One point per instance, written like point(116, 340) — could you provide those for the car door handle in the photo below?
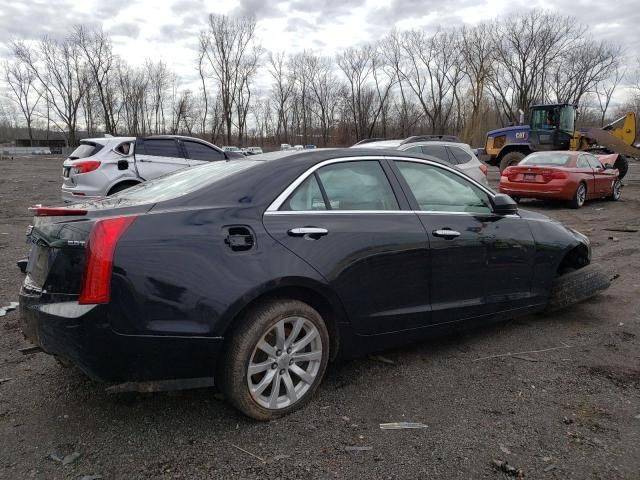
point(446, 233)
point(308, 232)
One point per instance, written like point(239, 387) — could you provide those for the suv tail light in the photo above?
point(96, 280)
point(85, 166)
point(484, 169)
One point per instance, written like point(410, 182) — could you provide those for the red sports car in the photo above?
point(571, 176)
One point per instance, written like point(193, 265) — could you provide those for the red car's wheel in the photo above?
point(579, 197)
point(616, 191)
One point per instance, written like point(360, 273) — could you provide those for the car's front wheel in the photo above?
point(616, 191)
point(275, 359)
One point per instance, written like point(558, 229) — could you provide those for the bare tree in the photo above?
point(229, 41)
point(604, 92)
point(282, 88)
point(478, 49)
point(21, 81)
point(96, 48)
point(60, 70)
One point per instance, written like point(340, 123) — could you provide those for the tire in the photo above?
point(579, 197)
point(616, 191)
point(577, 286)
point(510, 159)
point(257, 326)
point(120, 187)
point(622, 165)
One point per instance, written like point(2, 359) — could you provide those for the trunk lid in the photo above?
point(534, 174)
point(57, 256)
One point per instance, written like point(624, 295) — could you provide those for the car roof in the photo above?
point(389, 144)
point(105, 140)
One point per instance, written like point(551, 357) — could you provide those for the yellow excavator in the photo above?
point(552, 127)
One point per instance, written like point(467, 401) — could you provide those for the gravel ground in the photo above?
point(565, 413)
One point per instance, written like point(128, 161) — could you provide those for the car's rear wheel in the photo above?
point(616, 191)
point(579, 197)
point(275, 359)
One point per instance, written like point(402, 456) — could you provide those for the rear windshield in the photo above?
point(85, 149)
point(183, 182)
point(554, 159)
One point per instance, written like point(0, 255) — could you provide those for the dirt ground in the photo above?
point(565, 413)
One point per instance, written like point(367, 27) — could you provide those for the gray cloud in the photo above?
point(127, 29)
point(30, 20)
point(261, 9)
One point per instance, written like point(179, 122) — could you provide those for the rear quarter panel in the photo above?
point(175, 275)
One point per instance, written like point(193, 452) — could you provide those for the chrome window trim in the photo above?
point(273, 208)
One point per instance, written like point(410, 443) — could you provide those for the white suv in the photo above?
point(104, 166)
point(445, 148)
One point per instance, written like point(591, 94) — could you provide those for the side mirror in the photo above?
point(123, 164)
point(608, 166)
point(504, 205)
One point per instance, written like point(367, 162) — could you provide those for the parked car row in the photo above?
point(254, 273)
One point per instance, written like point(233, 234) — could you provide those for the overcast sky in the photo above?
point(168, 29)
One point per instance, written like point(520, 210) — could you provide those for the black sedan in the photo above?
point(257, 272)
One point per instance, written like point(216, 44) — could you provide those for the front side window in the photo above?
point(358, 185)
point(583, 162)
point(593, 161)
point(200, 151)
point(438, 190)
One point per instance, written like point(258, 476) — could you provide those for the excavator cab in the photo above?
point(552, 126)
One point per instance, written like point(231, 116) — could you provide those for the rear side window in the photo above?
point(437, 151)
point(84, 150)
point(162, 147)
point(458, 155)
point(200, 151)
point(360, 185)
point(307, 196)
point(357, 186)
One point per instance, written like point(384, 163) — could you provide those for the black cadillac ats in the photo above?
point(257, 272)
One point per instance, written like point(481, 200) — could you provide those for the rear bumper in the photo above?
point(82, 334)
point(551, 190)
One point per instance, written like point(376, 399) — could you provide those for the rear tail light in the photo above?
point(56, 211)
point(548, 175)
point(507, 172)
point(484, 169)
point(85, 166)
point(101, 245)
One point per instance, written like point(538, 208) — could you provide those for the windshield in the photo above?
point(555, 159)
point(183, 182)
point(85, 149)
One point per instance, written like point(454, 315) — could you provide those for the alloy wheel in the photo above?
point(285, 363)
point(617, 189)
point(581, 194)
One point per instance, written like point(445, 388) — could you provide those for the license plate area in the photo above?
point(529, 177)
